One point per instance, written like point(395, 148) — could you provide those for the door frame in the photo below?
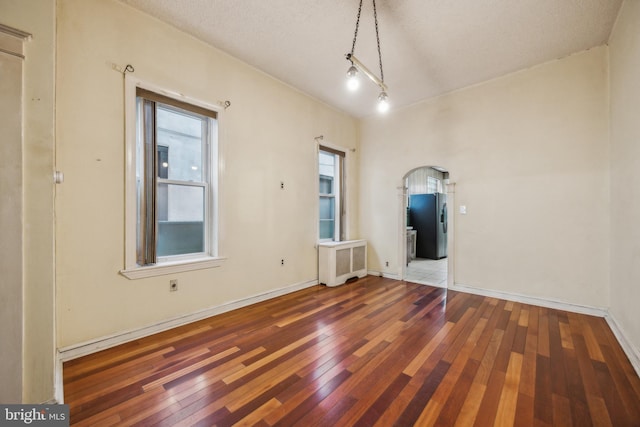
point(12, 215)
point(402, 228)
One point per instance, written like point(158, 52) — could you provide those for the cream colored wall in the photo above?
point(529, 155)
point(624, 57)
point(38, 18)
point(267, 136)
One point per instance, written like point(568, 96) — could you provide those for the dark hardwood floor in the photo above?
point(374, 352)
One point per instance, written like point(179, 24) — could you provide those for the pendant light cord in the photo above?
point(375, 18)
point(355, 34)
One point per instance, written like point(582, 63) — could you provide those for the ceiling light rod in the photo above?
point(360, 66)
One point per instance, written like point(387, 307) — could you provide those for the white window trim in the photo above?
point(168, 265)
point(347, 208)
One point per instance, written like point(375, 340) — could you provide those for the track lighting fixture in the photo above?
point(357, 66)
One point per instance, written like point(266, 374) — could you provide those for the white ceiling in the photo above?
point(429, 47)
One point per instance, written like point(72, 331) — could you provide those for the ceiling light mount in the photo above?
point(356, 65)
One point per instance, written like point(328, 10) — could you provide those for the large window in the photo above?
point(332, 206)
point(174, 161)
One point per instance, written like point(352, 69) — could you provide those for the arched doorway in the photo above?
point(426, 235)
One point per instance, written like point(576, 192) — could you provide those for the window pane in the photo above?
point(181, 219)
point(180, 155)
point(327, 217)
point(327, 207)
point(326, 184)
point(326, 163)
point(433, 185)
point(326, 229)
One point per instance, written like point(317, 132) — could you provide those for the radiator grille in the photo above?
point(358, 258)
point(343, 261)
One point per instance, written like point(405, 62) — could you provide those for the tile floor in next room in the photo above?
point(429, 271)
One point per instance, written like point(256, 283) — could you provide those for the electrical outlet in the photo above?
point(386, 264)
point(173, 285)
point(282, 262)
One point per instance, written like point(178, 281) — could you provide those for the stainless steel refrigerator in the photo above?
point(428, 216)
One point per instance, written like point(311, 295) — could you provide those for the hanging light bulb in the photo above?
point(352, 78)
point(383, 102)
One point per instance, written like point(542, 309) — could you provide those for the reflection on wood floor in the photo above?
point(373, 352)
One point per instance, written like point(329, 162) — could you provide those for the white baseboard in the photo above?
point(629, 349)
point(424, 282)
point(383, 274)
point(93, 346)
point(525, 299)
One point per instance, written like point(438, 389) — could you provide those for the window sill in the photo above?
point(172, 267)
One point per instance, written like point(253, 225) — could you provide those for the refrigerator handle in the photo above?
point(443, 217)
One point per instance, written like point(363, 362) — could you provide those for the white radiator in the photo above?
point(340, 261)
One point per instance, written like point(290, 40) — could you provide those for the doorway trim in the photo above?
point(402, 229)
point(12, 214)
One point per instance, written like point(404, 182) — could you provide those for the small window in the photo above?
point(331, 192)
point(434, 185)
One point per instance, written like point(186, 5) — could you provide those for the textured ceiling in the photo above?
point(429, 47)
